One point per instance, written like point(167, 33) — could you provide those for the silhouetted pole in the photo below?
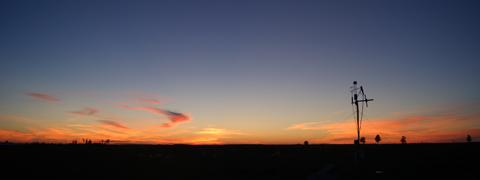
point(355, 101)
point(355, 97)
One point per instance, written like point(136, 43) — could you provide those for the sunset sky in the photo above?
point(238, 72)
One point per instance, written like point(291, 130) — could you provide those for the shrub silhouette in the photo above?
point(305, 143)
point(88, 141)
point(404, 140)
point(469, 138)
point(377, 138)
point(362, 140)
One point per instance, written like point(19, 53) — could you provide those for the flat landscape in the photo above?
point(383, 161)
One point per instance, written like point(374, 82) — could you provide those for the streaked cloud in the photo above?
point(4, 118)
point(149, 100)
point(178, 117)
point(87, 111)
point(173, 117)
point(308, 126)
point(78, 125)
point(217, 131)
point(15, 136)
point(152, 110)
point(112, 123)
point(43, 96)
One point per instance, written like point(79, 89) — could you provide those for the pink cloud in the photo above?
point(112, 123)
point(90, 112)
point(166, 125)
point(308, 126)
point(152, 110)
point(149, 100)
point(178, 117)
point(86, 111)
point(174, 117)
point(44, 96)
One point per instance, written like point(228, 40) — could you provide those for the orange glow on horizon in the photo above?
point(96, 122)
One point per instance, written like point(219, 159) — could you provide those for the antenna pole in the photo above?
point(355, 101)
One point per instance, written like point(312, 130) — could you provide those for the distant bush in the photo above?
point(377, 138)
point(362, 140)
point(404, 140)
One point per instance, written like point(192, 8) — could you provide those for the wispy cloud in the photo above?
point(173, 117)
point(152, 110)
point(308, 126)
point(15, 136)
point(43, 96)
point(217, 131)
point(87, 111)
point(149, 100)
point(112, 123)
point(4, 118)
point(177, 117)
point(79, 125)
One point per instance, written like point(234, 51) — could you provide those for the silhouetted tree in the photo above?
point(107, 141)
point(7, 141)
point(469, 138)
point(305, 143)
point(377, 138)
point(362, 140)
point(89, 141)
point(404, 140)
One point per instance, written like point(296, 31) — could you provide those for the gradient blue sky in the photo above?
point(241, 71)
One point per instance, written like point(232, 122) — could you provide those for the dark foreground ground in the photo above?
point(410, 161)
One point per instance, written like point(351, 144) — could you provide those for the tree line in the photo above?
point(403, 140)
point(89, 141)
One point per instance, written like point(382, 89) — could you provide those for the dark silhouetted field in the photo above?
point(409, 161)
